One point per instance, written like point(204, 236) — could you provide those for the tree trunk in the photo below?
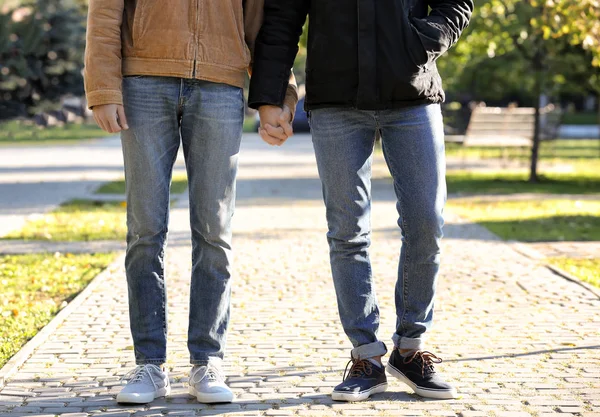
point(535, 146)
point(598, 103)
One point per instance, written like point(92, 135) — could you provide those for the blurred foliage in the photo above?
point(523, 50)
point(511, 45)
point(41, 55)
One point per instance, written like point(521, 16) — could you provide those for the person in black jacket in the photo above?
point(371, 69)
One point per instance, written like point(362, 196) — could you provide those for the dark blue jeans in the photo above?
point(207, 119)
point(413, 146)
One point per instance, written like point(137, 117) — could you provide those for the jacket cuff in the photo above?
point(268, 85)
point(101, 97)
point(291, 99)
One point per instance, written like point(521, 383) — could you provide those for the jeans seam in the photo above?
point(406, 252)
point(164, 245)
point(180, 101)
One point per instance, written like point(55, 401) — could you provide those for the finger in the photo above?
point(100, 121)
point(269, 139)
point(287, 128)
point(122, 118)
point(113, 123)
point(96, 120)
point(285, 119)
point(276, 132)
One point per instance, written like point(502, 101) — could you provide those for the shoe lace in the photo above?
point(138, 374)
point(426, 359)
point(359, 368)
point(208, 372)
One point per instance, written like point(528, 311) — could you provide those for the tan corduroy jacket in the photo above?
point(210, 40)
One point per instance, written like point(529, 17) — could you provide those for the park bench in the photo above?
point(509, 127)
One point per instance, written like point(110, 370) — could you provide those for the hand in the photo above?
point(275, 124)
point(110, 117)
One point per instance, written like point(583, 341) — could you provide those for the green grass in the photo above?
point(563, 150)
point(178, 186)
point(583, 118)
point(249, 124)
point(20, 133)
point(35, 287)
point(583, 180)
point(585, 269)
point(76, 221)
point(534, 221)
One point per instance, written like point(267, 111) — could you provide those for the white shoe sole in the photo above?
point(221, 397)
point(423, 392)
point(358, 396)
point(136, 398)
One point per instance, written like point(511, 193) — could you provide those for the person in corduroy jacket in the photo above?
point(371, 69)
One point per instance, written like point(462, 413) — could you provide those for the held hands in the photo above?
point(275, 124)
point(110, 117)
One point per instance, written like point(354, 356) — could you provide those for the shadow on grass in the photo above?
point(582, 228)
point(464, 183)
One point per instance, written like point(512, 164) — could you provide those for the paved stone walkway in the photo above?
point(34, 180)
point(587, 250)
point(516, 339)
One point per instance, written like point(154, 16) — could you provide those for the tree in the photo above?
point(528, 41)
point(41, 56)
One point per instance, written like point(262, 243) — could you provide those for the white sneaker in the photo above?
point(146, 382)
point(208, 385)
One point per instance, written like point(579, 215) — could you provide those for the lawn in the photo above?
point(534, 221)
point(250, 124)
point(77, 220)
point(35, 288)
point(20, 133)
point(178, 186)
point(582, 118)
point(585, 179)
point(564, 150)
point(586, 269)
point(571, 168)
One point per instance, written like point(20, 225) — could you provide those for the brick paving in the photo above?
point(516, 339)
point(587, 250)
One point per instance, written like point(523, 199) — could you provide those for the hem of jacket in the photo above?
point(375, 106)
point(219, 73)
point(154, 67)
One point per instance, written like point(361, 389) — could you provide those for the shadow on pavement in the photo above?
point(516, 355)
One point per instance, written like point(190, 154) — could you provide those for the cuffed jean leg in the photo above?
point(343, 140)
point(413, 146)
point(150, 148)
point(211, 131)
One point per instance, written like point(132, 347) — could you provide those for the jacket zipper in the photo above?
point(196, 38)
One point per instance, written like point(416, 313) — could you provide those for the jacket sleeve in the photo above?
point(102, 73)
point(275, 49)
point(444, 24)
point(253, 19)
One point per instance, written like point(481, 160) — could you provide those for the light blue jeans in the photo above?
point(207, 119)
point(413, 146)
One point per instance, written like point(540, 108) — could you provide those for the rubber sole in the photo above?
point(358, 396)
point(221, 397)
point(423, 392)
point(136, 398)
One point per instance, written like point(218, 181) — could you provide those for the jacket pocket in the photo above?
point(412, 43)
point(137, 26)
point(428, 39)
